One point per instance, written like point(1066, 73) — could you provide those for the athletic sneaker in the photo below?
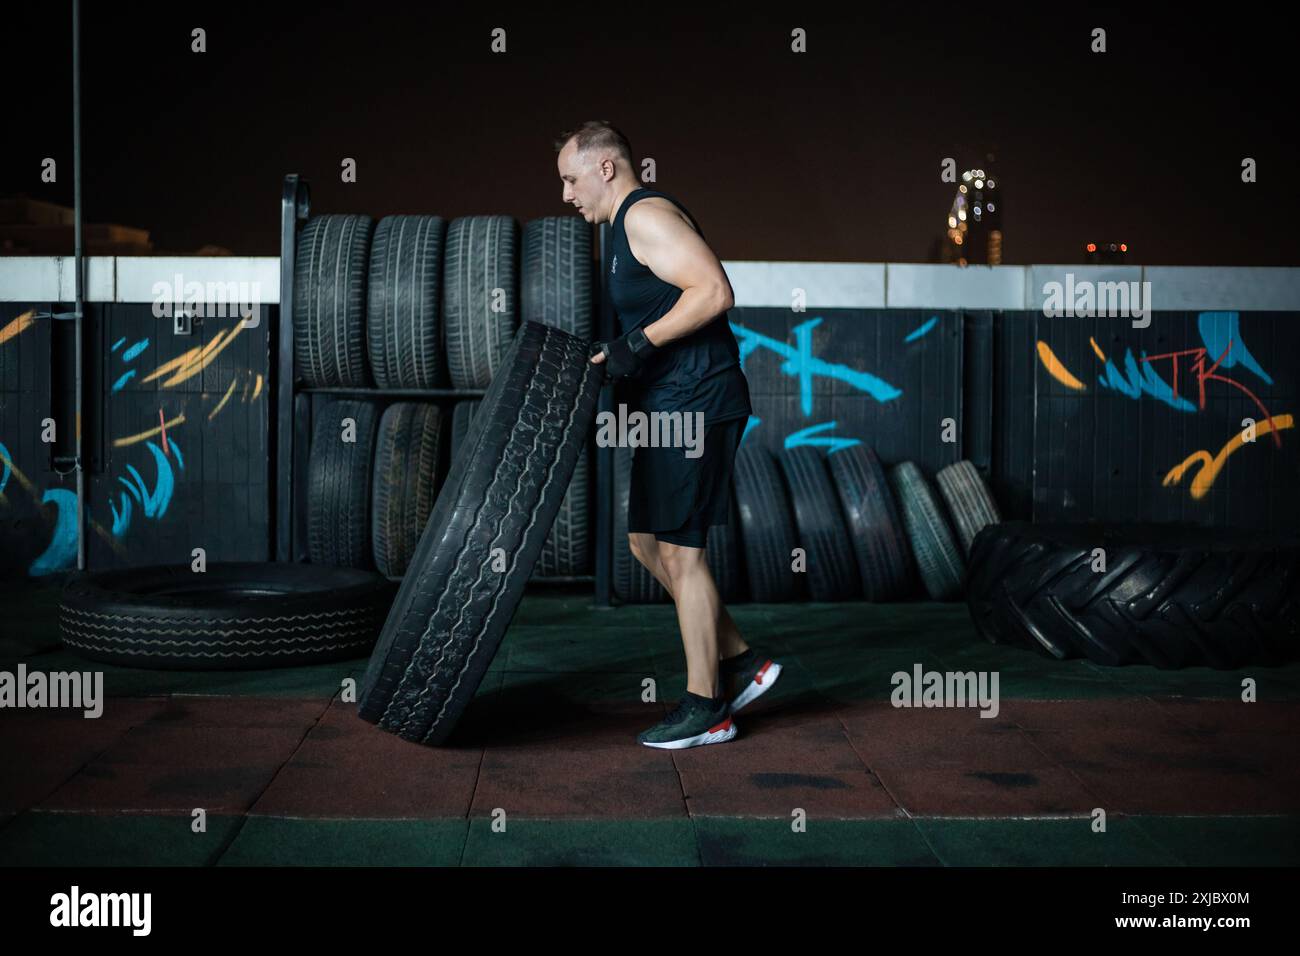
point(694, 721)
point(750, 675)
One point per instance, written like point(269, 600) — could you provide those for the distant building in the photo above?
point(34, 227)
point(973, 232)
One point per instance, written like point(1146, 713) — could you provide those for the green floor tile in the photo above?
point(1043, 842)
point(1227, 841)
point(534, 842)
point(76, 839)
point(732, 841)
point(279, 841)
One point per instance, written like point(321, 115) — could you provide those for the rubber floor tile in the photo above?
point(821, 794)
point(41, 750)
point(533, 842)
point(1069, 842)
point(976, 793)
point(878, 730)
point(589, 743)
point(163, 768)
point(781, 741)
point(1146, 790)
point(727, 841)
point(273, 841)
point(238, 712)
point(1096, 716)
point(1227, 841)
point(73, 839)
point(558, 792)
point(1175, 750)
point(1261, 717)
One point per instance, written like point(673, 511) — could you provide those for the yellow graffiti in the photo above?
point(1097, 348)
point(195, 360)
point(18, 326)
point(133, 439)
point(1210, 467)
point(1056, 369)
point(224, 398)
point(257, 389)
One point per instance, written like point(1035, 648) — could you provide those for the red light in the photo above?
point(1092, 247)
point(1123, 247)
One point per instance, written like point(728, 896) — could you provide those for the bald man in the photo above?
point(676, 354)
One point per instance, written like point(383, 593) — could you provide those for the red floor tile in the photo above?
point(785, 741)
point(954, 792)
point(777, 794)
point(561, 793)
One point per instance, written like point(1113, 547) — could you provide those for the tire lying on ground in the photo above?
point(832, 569)
point(483, 537)
point(480, 308)
point(937, 555)
point(632, 582)
point(329, 301)
point(339, 467)
point(873, 522)
point(404, 288)
point(969, 501)
point(234, 615)
point(1169, 596)
point(407, 459)
point(767, 531)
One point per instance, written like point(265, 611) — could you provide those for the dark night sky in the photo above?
point(830, 155)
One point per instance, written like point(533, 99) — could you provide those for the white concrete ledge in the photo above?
point(826, 285)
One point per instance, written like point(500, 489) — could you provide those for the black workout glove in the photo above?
point(626, 356)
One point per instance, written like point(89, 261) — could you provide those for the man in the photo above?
point(676, 353)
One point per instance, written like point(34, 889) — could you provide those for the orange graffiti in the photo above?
point(1056, 369)
point(18, 326)
point(1211, 466)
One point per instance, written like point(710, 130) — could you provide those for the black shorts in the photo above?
point(677, 498)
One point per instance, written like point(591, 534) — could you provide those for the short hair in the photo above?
point(597, 134)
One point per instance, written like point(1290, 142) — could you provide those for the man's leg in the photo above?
point(645, 549)
point(698, 607)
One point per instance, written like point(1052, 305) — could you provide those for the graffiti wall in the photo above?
point(176, 447)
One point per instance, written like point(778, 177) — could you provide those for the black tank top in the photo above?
point(698, 372)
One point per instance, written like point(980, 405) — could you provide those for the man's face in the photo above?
point(584, 188)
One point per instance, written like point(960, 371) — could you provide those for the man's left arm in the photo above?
point(674, 252)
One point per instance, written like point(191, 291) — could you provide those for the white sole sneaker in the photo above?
point(717, 734)
point(759, 686)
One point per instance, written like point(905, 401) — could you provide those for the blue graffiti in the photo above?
point(113, 347)
point(917, 333)
point(831, 442)
point(749, 425)
point(135, 350)
point(1218, 331)
point(154, 503)
point(800, 362)
point(1141, 380)
point(62, 550)
point(123, 380)
point(122, 519)
point(4, 460)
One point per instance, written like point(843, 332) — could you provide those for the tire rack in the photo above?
point(291, 422)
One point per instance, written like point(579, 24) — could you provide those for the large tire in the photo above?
point(556, 285)
point(461, 417)
point(407, 458)
point(724, 558)
point(566, 549)
point(329, 301)
point(480, 269)
point(937, 554)
point(234, 615)
point(969, 501)
point(339, 485)
point(632, 582)
point(832, 570)
point(1168, 596)
point(403, 330)
point(767, 531)
point(503, 492)
point(873, 521)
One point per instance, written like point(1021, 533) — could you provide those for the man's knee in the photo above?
point(678, 560)
point(640, 543)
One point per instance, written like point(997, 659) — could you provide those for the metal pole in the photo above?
point(77, 259)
